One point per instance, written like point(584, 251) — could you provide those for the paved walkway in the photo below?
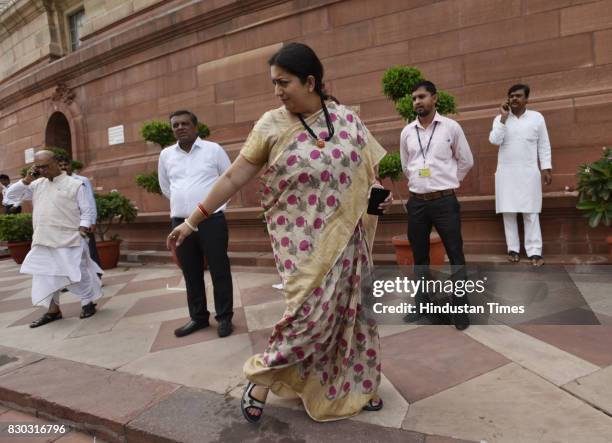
point(123, 374)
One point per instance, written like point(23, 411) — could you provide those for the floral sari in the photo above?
point(323, 350)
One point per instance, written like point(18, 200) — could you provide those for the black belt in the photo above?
point(433, 195)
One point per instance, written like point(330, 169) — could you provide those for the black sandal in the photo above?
point(46, 318)
point(249, 402)
point(536, 261)
point(514, 257)
point(88, 310)
point(374, 406)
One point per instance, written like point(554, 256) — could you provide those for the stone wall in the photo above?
point(24, 36)
point(210, 57)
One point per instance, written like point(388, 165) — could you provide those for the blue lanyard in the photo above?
point(424, 154)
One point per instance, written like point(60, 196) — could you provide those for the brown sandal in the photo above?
point(536, 261)
point(514, 257)
point(46, 318)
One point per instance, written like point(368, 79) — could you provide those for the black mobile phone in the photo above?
point(36, 173)
point(377, 196)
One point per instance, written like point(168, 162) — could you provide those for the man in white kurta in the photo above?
point(523, 142)
point(59, 257)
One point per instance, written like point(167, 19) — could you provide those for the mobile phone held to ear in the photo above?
point(377, 196)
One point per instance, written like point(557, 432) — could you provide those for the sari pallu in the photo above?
point(323, 349)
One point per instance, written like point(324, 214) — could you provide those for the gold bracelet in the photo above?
point(190, 226)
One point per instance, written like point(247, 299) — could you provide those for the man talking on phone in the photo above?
point(523, 140)
point(59, 257)
point(435, 158)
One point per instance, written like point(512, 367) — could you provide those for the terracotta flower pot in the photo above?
point(109, 253)
point(19, 250)
point(403, 250)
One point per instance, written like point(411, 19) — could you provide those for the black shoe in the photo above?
point(88, 310)
point(190, 327)
point(461, 321)
point(224, 328)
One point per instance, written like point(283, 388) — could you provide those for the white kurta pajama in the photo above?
point(522, 142)
point(59, 257)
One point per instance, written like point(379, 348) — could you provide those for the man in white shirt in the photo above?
point(187, 171)
point(66, 165)
point(10, 206)
point(59, 257)
point(523, 140)
point(435, 157)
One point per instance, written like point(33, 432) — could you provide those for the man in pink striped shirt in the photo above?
point(435, 158)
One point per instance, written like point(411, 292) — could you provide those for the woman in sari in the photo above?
point(319, 165)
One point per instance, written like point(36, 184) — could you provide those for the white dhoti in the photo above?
point(54, 269)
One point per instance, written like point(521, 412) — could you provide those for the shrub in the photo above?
point(16, 227)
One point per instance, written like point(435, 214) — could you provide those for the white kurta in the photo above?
point(522, 142)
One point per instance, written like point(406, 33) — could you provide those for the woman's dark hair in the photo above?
point(300, 60)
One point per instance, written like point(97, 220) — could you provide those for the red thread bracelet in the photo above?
point(203, 211)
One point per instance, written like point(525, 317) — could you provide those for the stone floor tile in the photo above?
point(148, 305)
point(188, 414)
point(596, 389)
point(213, 364)
point(166, 339)
point(509, 404)
point(261, 294)
point(386, 330)
point(555, 365)
point(150, 284)
point(67, 384)
point(430, 359)
point(591, 343)
point(259, 339)
point(109, 350)
point(394, 408)
point(440, 439)
point(264, 316)
point(12, 359)
point(107, 316)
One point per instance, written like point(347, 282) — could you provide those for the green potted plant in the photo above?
point(397, 83)
point(113, 209)
point(594, 188)
point(16, 230)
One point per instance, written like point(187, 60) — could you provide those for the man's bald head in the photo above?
point(44, 155)
point(46, 164)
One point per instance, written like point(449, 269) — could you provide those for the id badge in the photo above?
point(425, 172)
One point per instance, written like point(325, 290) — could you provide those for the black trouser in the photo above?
point(93, 250)
point(11, 209)
point(443, 214)
point(209, 241)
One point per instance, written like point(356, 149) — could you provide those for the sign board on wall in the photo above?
point(29, 155)
point(115, 135)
